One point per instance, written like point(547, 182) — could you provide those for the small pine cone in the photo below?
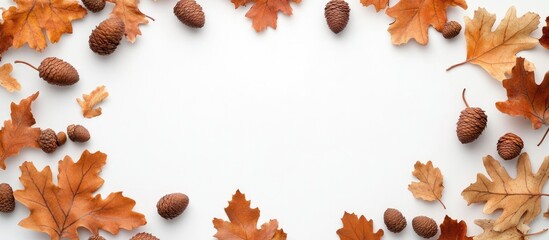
point(471, 123)
point(94, 5)
point(509, 146)
point(106, 37)
point(190, 13)
point(172, 205)
point(394, 220)
point(425, 227)
point(57, 72)
point(96, 237)
point(48, 141)
point(144, 236)
point(451, 29)
point(78, 133)
point(7, 201)
point(337, 15)
point(61, 138)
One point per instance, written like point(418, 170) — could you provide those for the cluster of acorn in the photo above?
point(424, 227)
point(49, 140)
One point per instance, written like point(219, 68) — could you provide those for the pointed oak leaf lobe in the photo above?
point(264, 13)
point(355, 228)
point(451, 229)
point(429, 187)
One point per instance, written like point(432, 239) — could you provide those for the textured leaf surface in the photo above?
point(429, 187)
point(514, 233)
point(6, 80)
point(378, 4)
point(264, 13)
point(355, 228)
point(451, 229)
point(88, 102)
point(128, 11)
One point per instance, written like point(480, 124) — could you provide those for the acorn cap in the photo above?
point(336, 13)
point(78, 133)
point(190, 13)
point(172, 205)
point(94, 5)
point(7, 201)
point(96, 237)
point(509, 146)
point(425, 227)
point(394, 220)
point(451, 29)
point(57, 72)
point(48, 140)
point(144, 236)
point(106, 37)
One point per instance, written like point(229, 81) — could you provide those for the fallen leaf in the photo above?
point(413, 18)
point(514, 233)
point(128, 11)
point(60, 210)
point(429, 187)
point(544, 40)
point(17, 133)
point(519, 198)
point(495, 51)
point(6, 80)
point(243, 223)
point(264, 13)
point(88, 102)
point(355, 228)
point(378, 4)
point(451, 229)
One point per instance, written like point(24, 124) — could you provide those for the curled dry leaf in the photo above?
point(355, 228)
point(264, 13)
point(514, 233)
point(413, 18)
point(518, 198)
point(6, 80)
point(495, 51)
point(429, 187)
point(243, 222)
point(378, 4)
point(451, 229)
point(88, 102)
point(544, 40)
point(128, 11)
point(18, 132)
point(60, 210)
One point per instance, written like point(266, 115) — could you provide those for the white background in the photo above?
point(306, 123)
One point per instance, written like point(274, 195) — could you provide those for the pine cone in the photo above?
point(172, 205)
point(57, 72)
point(48, 141)
point(190, 13)
point(425, 227)
point(337, 15)
point(471, 123)
point(106, 37)
point(451, 29)
point(509, 146)
point(94, 5)
point(96, 237)
point(144, 236)
point(7, 201)
point(394, 220)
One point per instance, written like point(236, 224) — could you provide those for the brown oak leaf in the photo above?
point(378, 4)
point(128, 11)
point(518, 232)
point(60, 210)
point(413, 18)
point(6, 80)
point(264, 13)
point(451, 229)
point(355, 228)
point(495, 51)
point(544, 40)
point(518, 198)
point(243, 223)
point(429, 187)
point(88, 102)
point(18, 132)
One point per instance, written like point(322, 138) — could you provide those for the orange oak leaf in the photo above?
point(544, 40)
point(413, 18)
point(264, 13)
point(429, 187)
point(451, 229)
point(88, 102)
point(355, 228)
point(17, 133)
point(243, 223)
point(27, 22)
point(60, 210)
point(128, 11)
point(6, 80)
point(378, 4)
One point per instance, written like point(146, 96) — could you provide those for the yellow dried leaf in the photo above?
point(88, 102)
point(515, 233)
point(6, 80)
point(429, 187)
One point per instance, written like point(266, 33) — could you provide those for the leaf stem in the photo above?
point(440, 201)
point(536, 233)
point(544, 135)
point(26, 63)
point(463, 97)
point(456, 65)
point(149, 17)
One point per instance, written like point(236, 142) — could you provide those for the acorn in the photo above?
point(106, 37)
point(451, 29)
point(172, 205)
point(7, 201)
point(78, 133)
point(61, 138)
point(509, 146)
point(48, 140)
point(471, 123)
point(336, 13)
point(55, 71)
point(144, 236)
point(96, 237)
point(94, 5)
point(425, 227)
point(190, 13)
point(394, 220)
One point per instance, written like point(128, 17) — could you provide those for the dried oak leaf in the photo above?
point(429, 187)
point(128, 11)
point(88, 102)
point(514, 233)
point(519, 198)
point(451, 229)
point(413, 18)
point(355, 228)
point(544, 40)
point(243, 223)
point(60, 210)
point(264, 13)
point(495, 51)
point(18, 132)
point(378, 4)
point(6, 80)
point(27, 22)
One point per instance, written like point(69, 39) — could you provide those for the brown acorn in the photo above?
point(190, 13)
point(94, 5)
point(96, 237)
point(7, 201)
point(451, 29)
point(425, 227)
point(172, 205)
point(509, 146)
point(471, 123)
point(106, 37)
point(144, 236)
point(48, 140)
point(394, 220)
point(336, 13)
point(61, 138)
point(78, 133)
point(55, 71)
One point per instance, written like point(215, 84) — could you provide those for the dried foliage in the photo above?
point(264, 13)
point(88, 102)
point(429, 187)
point(355, 228)
point(6, 80)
